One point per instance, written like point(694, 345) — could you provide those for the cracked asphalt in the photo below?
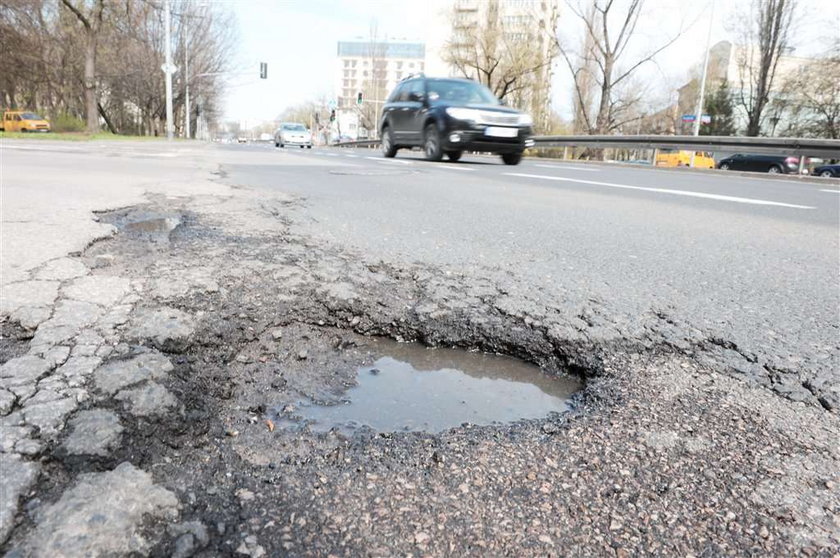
point(153, 352)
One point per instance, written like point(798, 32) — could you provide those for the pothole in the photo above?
point(414, 388)
point(144, 224)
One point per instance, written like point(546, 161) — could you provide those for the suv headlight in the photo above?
point(525, 120)
point(460, 113)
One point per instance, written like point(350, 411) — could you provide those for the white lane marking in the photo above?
point(832, 191)
point(353, 156)
point(454, 167)
point(381, 160)
point(564, 167)
point(331, 154)
point(689, 194)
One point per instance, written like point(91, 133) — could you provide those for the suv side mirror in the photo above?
point(503, 102)
point(417, 97)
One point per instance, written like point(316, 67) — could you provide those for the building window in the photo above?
point(346, 63)
point(399, 65)
point(411, 65)
point(354, 64)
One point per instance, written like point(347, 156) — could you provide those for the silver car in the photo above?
point(292, 133)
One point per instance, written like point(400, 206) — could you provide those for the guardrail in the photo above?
point(729, 144)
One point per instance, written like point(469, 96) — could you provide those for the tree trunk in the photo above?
point(104, 114)
point(91, 109)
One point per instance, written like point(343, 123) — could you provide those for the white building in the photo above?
point(369, 66)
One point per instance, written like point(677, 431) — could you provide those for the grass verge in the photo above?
point(75, 136)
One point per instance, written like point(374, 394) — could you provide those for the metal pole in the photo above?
point(170, 129)
point(187, 92)
point(698, 114)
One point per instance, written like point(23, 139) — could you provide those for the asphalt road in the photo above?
point(748, 260)
point(148, 372)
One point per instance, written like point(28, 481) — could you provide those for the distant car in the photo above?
point(242, 139)
point(827, 171)
point(677, 158)
point(23, 121)
point(292, 133)
point(774, 164)
point(447, 116)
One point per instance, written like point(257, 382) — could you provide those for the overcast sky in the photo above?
point(298, 41)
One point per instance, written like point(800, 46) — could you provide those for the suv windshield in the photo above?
point(457, 91)
point(294, 127)
point(30, 116)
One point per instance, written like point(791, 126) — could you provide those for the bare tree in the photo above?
point(605, 60)
point(374, 80)
point(810, 99)
point(508, 56)
point(90, 15)
point(764, 39)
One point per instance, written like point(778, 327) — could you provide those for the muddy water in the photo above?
point(144, 224)
point(411, 387)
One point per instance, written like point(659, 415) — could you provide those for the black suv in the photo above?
point(760, 163)
point(449, 115)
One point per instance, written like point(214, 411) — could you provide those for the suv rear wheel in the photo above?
point(388, 147)
point(775, 169)
point(454, 155)
point(511, 158)
point(431, 143)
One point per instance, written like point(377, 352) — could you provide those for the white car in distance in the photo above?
point(292, 133)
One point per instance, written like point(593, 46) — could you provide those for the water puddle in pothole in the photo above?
point(143, 224)
point(414, 388)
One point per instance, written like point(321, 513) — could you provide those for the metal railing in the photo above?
point(721, 144)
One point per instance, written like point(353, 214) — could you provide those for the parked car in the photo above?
point(292, 133)
point(774, 164)
point(449, 116)
point(23, 121)
point(827, 171)
point(677, 158)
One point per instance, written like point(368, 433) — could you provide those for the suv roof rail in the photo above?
point(413, 75)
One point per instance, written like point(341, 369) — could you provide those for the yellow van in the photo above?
point(675, 158)
point(23, 121)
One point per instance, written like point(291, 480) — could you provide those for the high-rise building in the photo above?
point(370, 66)
point(367, 70)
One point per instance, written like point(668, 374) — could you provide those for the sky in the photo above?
point(297, 39)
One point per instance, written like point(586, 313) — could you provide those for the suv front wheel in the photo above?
point(388, 148)
point(431, 143)
point(512, 158)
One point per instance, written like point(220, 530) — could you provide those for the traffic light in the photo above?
point(359, 98)
point(332, 115)
point(263, 70)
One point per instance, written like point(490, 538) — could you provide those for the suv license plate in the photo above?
point(501, 132)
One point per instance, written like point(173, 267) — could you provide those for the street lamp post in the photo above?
point(698, 114)
point(186, 91)
point(170, 130)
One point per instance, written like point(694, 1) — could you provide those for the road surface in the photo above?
point(168, 310)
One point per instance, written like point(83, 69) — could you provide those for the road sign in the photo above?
point(263, 70)
point(332, 104)
point(171, 69)
point(705, 119)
